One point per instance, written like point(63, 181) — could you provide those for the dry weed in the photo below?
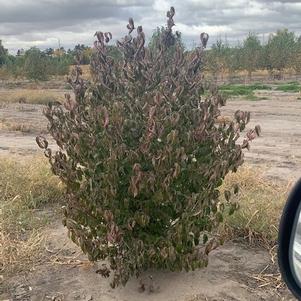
point(261, 203)
point(12, 126)
point(25, 186)
point(33, 96)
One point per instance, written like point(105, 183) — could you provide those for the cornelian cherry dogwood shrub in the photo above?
point(142, 156)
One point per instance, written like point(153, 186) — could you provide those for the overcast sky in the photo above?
point(26, 23)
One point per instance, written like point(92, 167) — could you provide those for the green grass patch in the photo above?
point(231, 90)
point(289, 87)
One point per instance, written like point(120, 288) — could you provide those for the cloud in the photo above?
point(25, 23)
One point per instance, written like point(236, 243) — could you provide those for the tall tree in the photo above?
point(49, 51)
point(279, 50)
point(159, 34)
point(36, 65)
point(218, 58)
point(296, 60)
point(84, 52)
point(251, 54)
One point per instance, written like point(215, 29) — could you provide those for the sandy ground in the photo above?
point(232, 268)
point(278, 150)
point(230, 275)
point(17, 142)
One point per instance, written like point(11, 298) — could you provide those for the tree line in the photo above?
point(39, 64)
point(281, 52)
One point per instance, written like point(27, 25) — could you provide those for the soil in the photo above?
point(278, 149)
point(234, 270)
point(67, 275)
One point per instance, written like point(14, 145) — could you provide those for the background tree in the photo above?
point(36, 65)
point(83, 52)
point(49, 51)
point(114, 52)
point(59, 52)
point(296, 57)
point(218, 58)
point(3, 54)
point(157, 37)
point(251, 54)
point(58, 65)
point(279, 50)
point(233, 60)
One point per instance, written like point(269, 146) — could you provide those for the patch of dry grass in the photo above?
point(17, 254)
point(261, 204)
point(25, 186)
point(257, 220)
point(4, 74)
point(33, 96)
point(224, 119)
point(12, 126)
point(86, 71)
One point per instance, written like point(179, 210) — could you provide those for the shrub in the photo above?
point(36, 65)
point(15, 66)
point(280, 51)
point(58, 66)
point(251, 54)
point(142, 156)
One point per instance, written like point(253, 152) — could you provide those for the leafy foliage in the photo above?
point(15, 65)
point(280, 49)
point(218, 59)
point(158, 34)
point(35, 64)
point(3, 54)
point(142, 155)
point(283, 51)
point(251, 53)
point(296, 57)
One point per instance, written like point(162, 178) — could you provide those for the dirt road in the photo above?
point(278, 150)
